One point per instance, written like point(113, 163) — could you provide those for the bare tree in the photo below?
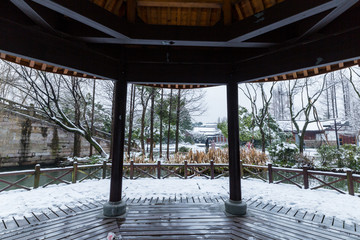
point(145, 96)
point(169, 126)
point(307, 106)
point(280, 102)
point(161, 121)
point(178, 106)
point(152, 124)
point(260, 115)
point(61, 99)
point(9, 84)
point(131, 116)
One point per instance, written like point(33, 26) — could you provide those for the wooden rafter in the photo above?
point(227, 12)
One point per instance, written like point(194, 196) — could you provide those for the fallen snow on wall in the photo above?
point(18, 203)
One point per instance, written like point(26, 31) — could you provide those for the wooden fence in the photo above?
point(302, 178)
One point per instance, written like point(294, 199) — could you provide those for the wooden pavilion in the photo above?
point(181, 44)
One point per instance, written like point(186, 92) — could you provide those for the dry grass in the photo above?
point(248, 156)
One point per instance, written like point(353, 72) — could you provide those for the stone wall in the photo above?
point(25, 140)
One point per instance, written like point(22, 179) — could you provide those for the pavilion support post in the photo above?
point(115, 207)
point(234, 205)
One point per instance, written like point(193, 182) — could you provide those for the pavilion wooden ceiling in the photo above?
point(181, 43)
point(186, 12)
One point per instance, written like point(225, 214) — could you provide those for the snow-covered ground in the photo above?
point(17, 203)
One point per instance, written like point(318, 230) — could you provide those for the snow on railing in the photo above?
point(302, 178)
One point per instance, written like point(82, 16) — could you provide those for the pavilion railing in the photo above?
point(302, 178)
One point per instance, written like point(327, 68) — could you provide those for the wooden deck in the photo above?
point(178, 218)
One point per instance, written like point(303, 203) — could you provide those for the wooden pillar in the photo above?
point(233, 138)
point(118, 135)
point(115, 207)
point(234, 205)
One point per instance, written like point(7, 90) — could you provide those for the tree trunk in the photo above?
point(144, 103)
point(131, 117)
point(92, 115)
point(301, 143)
point(262, 140)
point(161, 120)
point(142, 133)
point(152, 124)
point(169, 127)
point(177, 122)
point(327, 101)
point(77, 136)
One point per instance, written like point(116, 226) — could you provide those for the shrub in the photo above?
point(184, 149)
point(349, 156)
point(328, 154)
point(284, 154)
point(346, 156)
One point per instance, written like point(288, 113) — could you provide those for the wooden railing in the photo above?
point(187, 170)
point(44, 177)
point(302, 178)
point(309, 179)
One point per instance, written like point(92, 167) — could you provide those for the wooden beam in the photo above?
point(78, 11)
point(321, 52)
point(340, 9)
point(278, 16)
point(32, 14)
point(227, 12)
point(35, 45)
point(189, 43)
point(131, 10)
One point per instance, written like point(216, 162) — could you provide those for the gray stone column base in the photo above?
point(114, 210)
point(237, 208)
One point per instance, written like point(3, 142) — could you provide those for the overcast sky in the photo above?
point(215, 99)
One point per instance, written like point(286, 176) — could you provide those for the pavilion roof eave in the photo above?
point(323, 69)
point(303, 73)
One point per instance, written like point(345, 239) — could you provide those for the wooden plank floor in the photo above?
point(177, 218)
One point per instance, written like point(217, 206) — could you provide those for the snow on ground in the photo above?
point(17, 203)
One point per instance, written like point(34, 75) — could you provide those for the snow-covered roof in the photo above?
point(313, 126)
point(207, 131)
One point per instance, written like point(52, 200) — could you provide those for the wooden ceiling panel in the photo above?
point(246, 8)
point(257, 5)
point(269, 3)
point(187, 12)
point(179, 16)
point(113, 6)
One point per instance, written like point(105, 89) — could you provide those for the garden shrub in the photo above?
point(346, 156)
point(283, 154)
point(328, 155)
point(184, 149)
point(349, 156)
